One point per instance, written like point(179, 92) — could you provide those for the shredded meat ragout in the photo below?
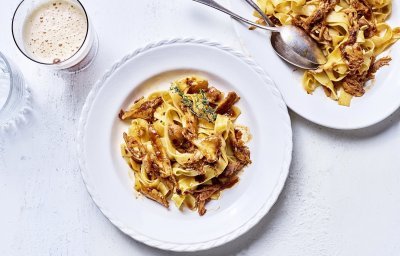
point(145, 110)
point(227, 103)
point(362, 15)
point(181, 143)
point(384, 61)
point(191, 127)
point(155, 195)
point(214, 95)
point(184, 136)
point(204, 193)
point(352, 53)
point(135, 148)
point(355, 80)
point(317, 19)
point(240, 150)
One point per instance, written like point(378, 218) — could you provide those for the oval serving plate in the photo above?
point(380, 100)
point(106, 175)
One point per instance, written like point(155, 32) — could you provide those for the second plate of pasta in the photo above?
point(358, 85)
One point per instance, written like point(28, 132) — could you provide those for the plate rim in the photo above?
point(236, 25)
point(198, 245)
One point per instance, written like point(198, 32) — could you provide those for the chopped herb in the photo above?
point(205, 111)
point(208, 111)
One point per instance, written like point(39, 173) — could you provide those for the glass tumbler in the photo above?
point(14, 95)
point(47, 24)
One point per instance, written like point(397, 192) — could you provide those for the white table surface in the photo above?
point(342, 196)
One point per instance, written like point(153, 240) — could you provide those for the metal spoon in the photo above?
point(281, 48)
point(289, 42)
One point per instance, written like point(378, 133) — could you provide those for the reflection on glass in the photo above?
point(14, 95)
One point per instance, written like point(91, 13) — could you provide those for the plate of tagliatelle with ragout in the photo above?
point(184, 144)
point(358, 86)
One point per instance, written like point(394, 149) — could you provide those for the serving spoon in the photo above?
point(291, 43)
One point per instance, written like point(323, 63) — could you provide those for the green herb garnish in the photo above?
point(201, 108)
point(208, 111)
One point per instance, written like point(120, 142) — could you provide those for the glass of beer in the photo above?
point(57, 34)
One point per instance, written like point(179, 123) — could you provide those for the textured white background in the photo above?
point(342, 196)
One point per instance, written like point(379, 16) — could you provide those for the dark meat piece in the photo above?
point(318, 17)
point(145, 110)
point(230, 182)
point(195, 85)
point(272, 18)
point(203, 196)
point(371, 30)
point(240, 150)
point(352, 38)
point(175, 133)
point(206, 192)
point(214, 95)
point(150, 167)
point(362, 7)
point(354, 85)
point(155, 195)
point(190, 129)
point(384, 61)
point(201, 207)
point(196, 165)
point(227, 103)
point(354, 56)
point(232, 168)
point(354, 82)
point(161, 155)
point(134, 147)
point(157, 144)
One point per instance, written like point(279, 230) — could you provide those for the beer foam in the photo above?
point(55, 31)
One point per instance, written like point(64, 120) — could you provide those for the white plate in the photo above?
point(107, 175)
point(381, 100)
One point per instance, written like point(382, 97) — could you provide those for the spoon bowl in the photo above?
point(302, 44)
point(286, 53)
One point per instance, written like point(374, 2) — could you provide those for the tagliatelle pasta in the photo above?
point(183, 145)
point(351, 34)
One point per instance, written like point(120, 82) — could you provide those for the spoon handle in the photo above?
point(219, 7)
point(263, 15)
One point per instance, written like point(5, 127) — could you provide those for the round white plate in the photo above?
point(380, 100)
point(107, 175)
